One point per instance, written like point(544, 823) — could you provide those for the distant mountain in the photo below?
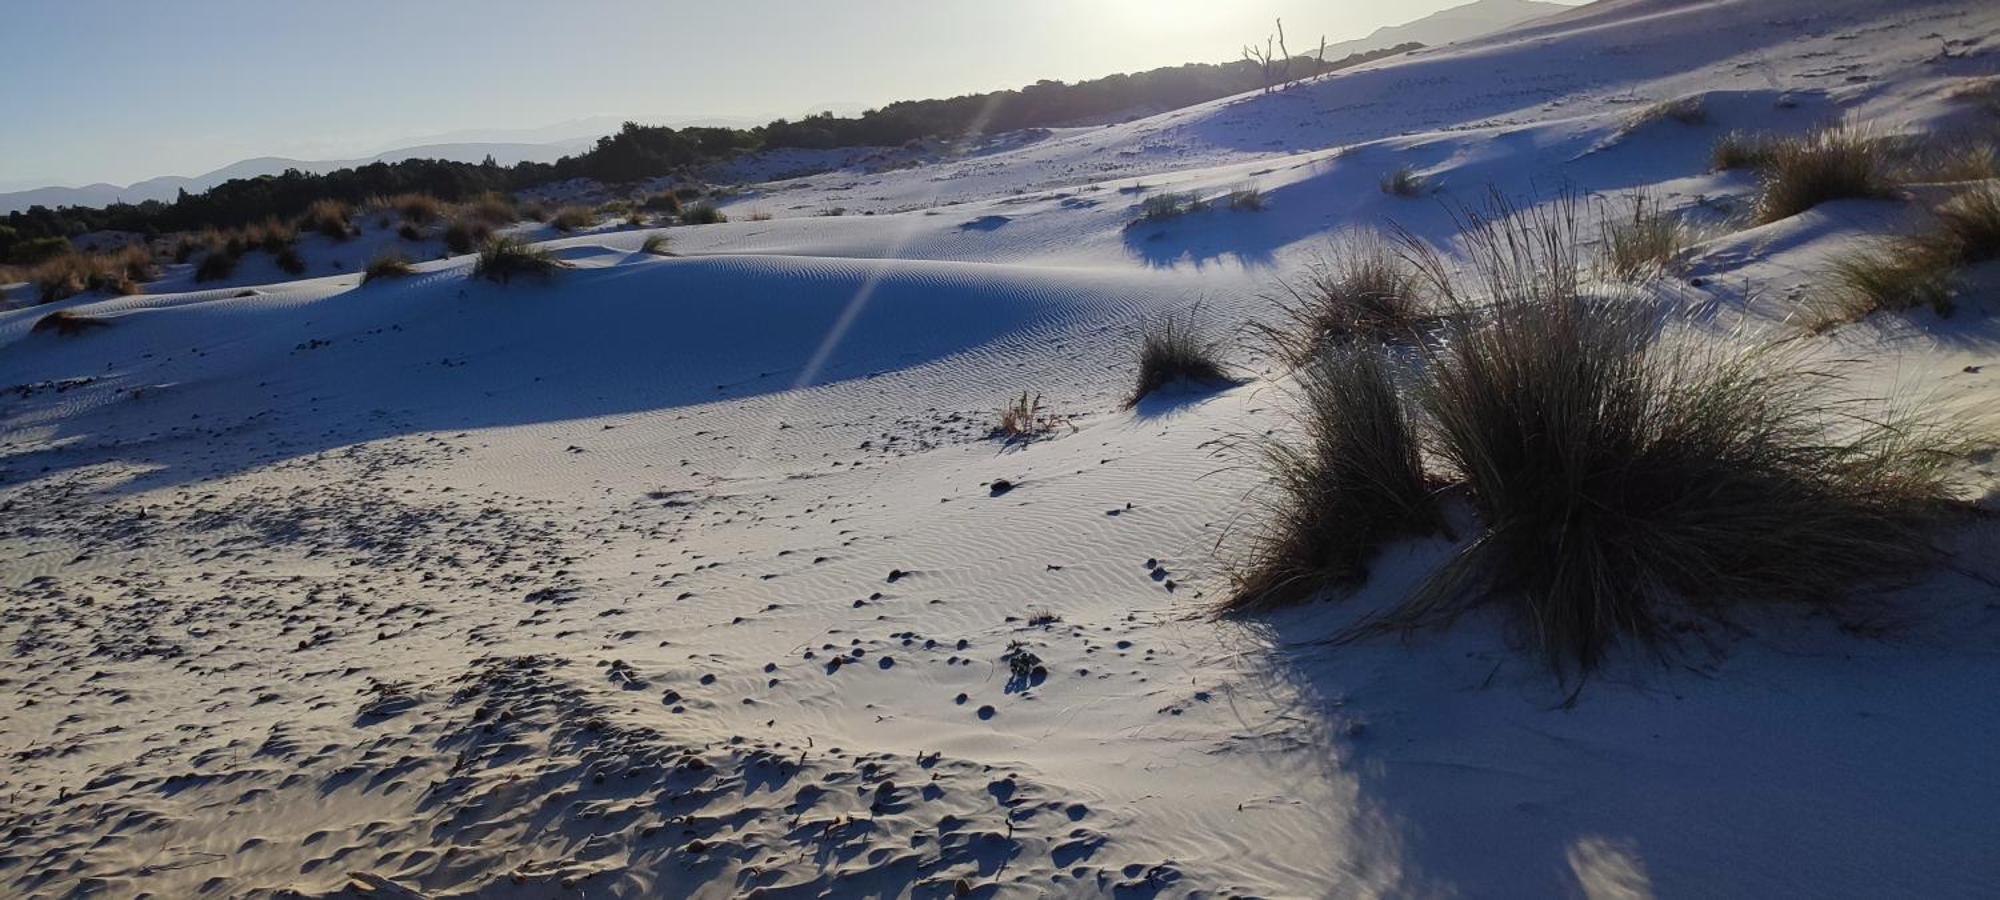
point(1448, 26)
point(167, 187)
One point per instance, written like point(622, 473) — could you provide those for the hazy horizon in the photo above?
point(166, 91)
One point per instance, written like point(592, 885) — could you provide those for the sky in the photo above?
point(123, 90)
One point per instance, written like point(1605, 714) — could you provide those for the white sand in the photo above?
point(437, 586)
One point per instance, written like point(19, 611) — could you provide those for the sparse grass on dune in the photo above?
point(1830, 164)
point(1349, 481)
point(67, 324)
point(218, 263)
point(1741, 150)
point(1176, 348)
point(1911, 272)
point(1629, 475)
point(572, 218)
point(491, 209)
point(656, 244)
point(415, 208)
point(1894, 275)
point(289, 261)
point(1169, 205)
point(118, 272)
point(535, 211)
point(1969, 224)
point(1361, 289)
point(331, 218)
point(1644, 240)
point(1023, 419)
point(1247, 199)
point(1687, 110)
point(503, 259)
point(410, 232)
point(386, 266)
point(665, 203)
point(703, 213)
point(464, 233)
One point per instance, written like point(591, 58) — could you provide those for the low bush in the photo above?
point(656, 244)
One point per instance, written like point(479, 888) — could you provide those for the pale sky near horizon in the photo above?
point(103, 90)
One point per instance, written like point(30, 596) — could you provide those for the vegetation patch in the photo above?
point(504, 259)
point(1831, 164)
point(1176, 348)
point(388, 265)
point(1631, 477)
point(1363, 289)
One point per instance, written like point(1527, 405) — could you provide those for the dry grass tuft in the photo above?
point(463, 233)
point(503, 259)
point(119, 272)
point(573, 218)
point(1023, 419)
point(1687, 110)
point(1741, 150)
point(703, 213)
point(1831, 164)
point(1645, 240)
point(1350, 480)
point(656, 244)
point(1361, 289)
point(415, 208)
point(332, 218)
point(1174, 348)
point(1969, 224)
point(388, 265)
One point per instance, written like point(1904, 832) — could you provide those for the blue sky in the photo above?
point(120, 91)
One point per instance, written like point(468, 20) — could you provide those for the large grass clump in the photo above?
point(503, 259)
point(1629, 474)
point(1831, 164)
point(1361, 289)
point(1176, 348)
point(1349, 480)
